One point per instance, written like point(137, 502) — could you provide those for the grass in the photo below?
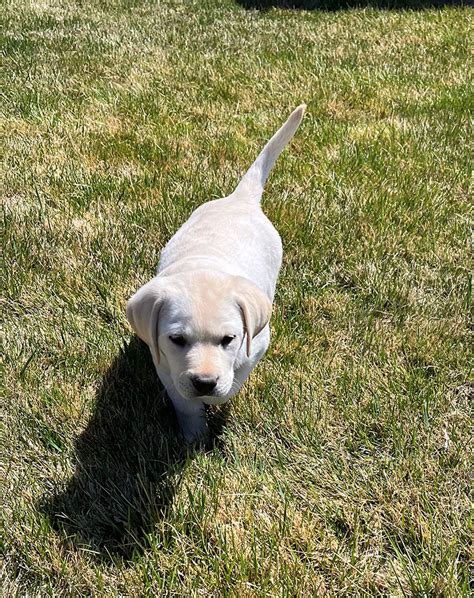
point(342, 468)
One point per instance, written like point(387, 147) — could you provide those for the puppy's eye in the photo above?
point(226, 340)
point(178, 340)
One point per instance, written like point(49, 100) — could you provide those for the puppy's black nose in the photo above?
point(204, 384)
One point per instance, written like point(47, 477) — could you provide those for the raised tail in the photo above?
point(253, 181)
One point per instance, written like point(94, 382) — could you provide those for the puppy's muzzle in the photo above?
point(204, 385)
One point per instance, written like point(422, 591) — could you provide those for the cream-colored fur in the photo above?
point(205, 314)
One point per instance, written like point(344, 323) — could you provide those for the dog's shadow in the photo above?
point(129, 461)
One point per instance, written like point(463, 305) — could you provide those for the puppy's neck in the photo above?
point(195, 263)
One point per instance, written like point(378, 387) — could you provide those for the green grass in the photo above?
point(343, 465)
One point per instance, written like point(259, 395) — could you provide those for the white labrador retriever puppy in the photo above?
point(205, 315)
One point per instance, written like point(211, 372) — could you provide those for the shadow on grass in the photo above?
point(130, 460)
point(335, 5)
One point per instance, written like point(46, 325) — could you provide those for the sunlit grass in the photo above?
point(343, 465)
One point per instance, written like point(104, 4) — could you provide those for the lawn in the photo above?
point(343, 466)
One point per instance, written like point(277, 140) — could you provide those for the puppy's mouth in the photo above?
point(200, 395)
point(215, 395)
point(215, 400)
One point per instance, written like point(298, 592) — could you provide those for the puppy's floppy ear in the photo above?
point(143, 310)
point(255, 306)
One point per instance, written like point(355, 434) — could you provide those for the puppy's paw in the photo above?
point(198, 440)
point(194, 427)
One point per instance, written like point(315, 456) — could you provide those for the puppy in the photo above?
point(205, 315)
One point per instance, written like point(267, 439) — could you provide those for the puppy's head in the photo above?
point(199, 326)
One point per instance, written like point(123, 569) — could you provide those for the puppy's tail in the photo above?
point(253, 181)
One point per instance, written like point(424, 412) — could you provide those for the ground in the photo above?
point(342, 467)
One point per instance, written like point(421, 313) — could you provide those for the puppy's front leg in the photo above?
point(191, 416)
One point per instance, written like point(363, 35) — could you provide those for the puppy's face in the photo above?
point(199, 327)
point(200, 337)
